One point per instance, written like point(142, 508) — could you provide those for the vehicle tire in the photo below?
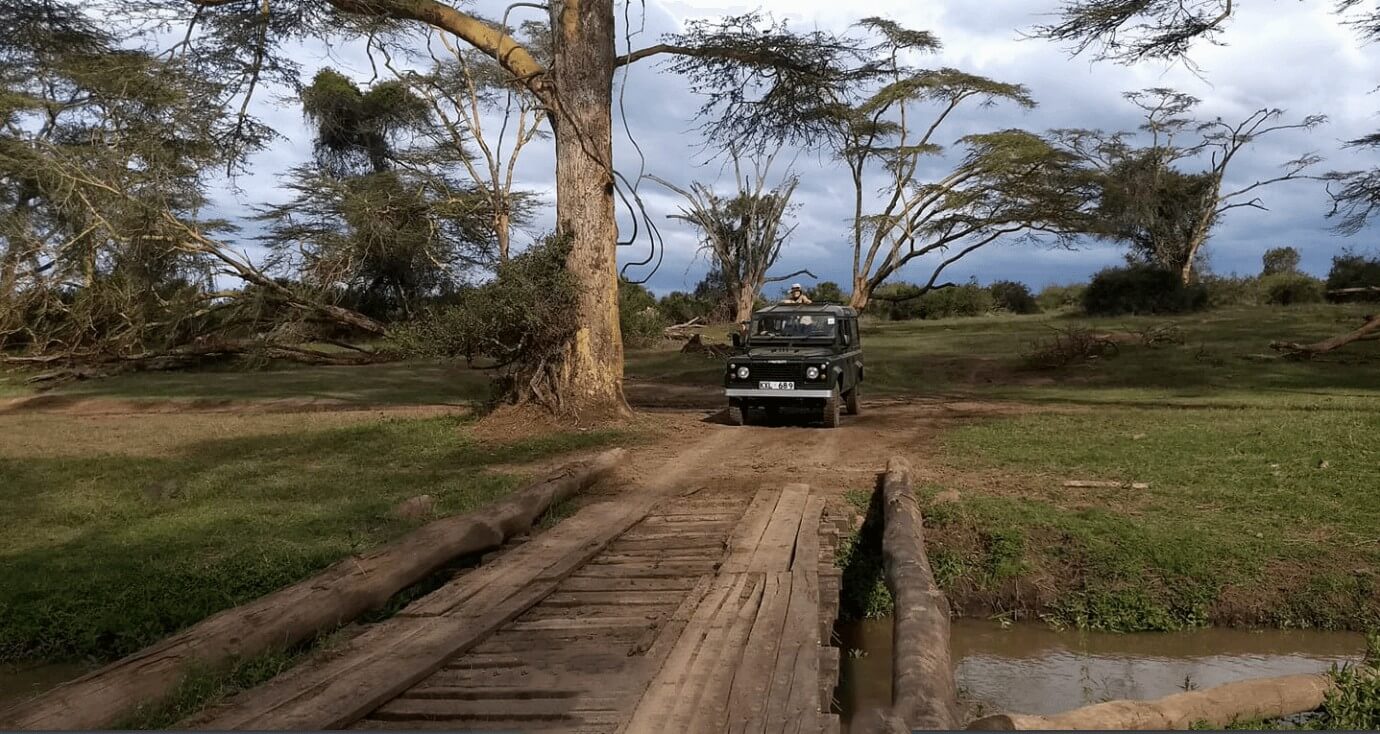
point(853, 407)
point(831, 410)
point(736, 414)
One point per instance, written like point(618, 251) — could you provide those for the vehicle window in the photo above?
point(795, 326)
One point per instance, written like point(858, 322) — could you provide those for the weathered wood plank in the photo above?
point(399, 653)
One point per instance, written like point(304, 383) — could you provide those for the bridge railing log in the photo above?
point(923, 692)
point(296, 613)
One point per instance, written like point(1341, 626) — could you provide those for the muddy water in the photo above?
point(20, 682)
point(1030, 668)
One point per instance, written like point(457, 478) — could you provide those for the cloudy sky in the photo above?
point(1292, 55)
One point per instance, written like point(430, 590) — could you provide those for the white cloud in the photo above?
point(1294, 56)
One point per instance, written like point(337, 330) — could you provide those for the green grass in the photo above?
point(105, 553)
point(1217, 364)
point(401, 383)
point(1255, 515)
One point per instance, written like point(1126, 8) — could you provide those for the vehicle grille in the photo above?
point(775, 372)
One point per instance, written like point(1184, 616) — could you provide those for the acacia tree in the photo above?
point(462, 87)
point(361, 228)
point(1127, 31)
point(1166, 214)
point(1007, 182)
point(743, 233)
point(242, 40)
point(1130, 30)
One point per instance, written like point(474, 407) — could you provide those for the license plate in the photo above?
point(776, 385)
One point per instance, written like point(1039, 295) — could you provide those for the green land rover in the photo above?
point(796, 355)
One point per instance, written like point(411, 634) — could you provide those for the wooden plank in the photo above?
point(777, 549)
point(658, 704)
point(398, 653)
point(713, 675)
point(748, 534)
point(751, 684)
point(581, 582)
point(788, 688)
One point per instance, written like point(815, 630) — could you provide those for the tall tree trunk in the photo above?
point(588, 381)
point(745, 299)
point(501, 227)
point(862, 293)
point(1200, 232)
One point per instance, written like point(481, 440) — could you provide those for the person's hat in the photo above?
point(795, 286)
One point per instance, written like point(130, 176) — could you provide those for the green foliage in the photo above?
point(1141, 289)
point(1153, 208)
point(1013, 297)
point(1279, 260)
point(1354, 270)
point(827, 292)
point(903, 302)
point(522, 317)
point(1061, 297)
point(1289, 288)
point(355, 128)
point(1354, 704)
point(638, 315)
point(680, 307)
point(1225, 291)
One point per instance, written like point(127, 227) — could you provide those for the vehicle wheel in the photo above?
point(853, 407)
point(831, 410)
point(736, 414)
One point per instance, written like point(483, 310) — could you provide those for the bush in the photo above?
point(523, 316)
point(1352, 270)
point(642, 323)
point(1141, 289)
point(1061, 297)
point(827, 292)
point(1285, 289)
point(1013, 297)
point(1278, 260)
point(679, 307)
point(904, 301)
point(1231, 291)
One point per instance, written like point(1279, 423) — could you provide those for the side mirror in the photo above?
point(737, 340)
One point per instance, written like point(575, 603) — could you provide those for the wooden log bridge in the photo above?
point(655, 611)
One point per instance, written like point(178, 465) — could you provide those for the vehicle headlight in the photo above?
point(742, 372)
point(812, 373)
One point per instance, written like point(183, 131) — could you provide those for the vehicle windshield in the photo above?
point(812, 326)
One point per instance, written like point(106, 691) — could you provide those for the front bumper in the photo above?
point(752, 392)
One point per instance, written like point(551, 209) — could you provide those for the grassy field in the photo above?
point(1261, 507)
point(402, 383)
point(122, 529)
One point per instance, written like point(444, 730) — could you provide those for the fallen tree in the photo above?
point(1217, 707)
point(923, 692)
point(299, 612)
point(1369, 331)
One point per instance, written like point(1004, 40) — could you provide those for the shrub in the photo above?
point(1231, 291)
point(641, 322)
point(1066, 347)
point(1013, 297)
point(1285, 289)
point(1353, 270)
point(1061, 297)
point(1277, 260)
point(969, 299)
point(1141, 289)
point(522, 316)
point(827, 292)
point(679, 307)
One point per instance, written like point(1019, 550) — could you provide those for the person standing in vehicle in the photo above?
point(796, 295)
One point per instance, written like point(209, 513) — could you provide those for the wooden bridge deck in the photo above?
point(701, 612)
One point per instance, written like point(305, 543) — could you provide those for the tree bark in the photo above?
point(1368, 331)
point(588, 380)
point(290, 615)
point(862, 293)
point(745, 299)
point(1220, 706)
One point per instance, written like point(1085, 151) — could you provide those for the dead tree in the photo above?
point(742, 234)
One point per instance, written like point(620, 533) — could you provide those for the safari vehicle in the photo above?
point(796, 356)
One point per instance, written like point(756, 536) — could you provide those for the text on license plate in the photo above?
point(776, 385)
